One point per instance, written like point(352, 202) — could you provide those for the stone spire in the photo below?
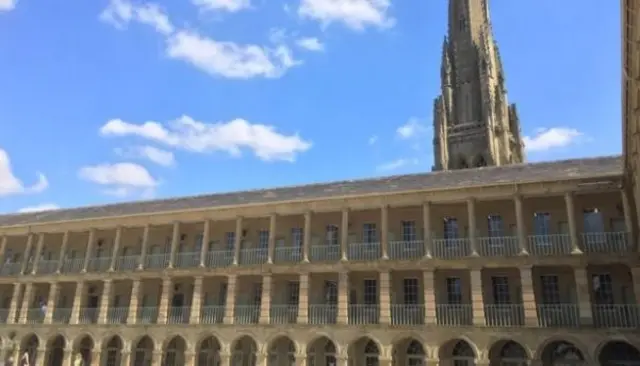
point(474, 124)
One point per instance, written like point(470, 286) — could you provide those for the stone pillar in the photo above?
point(229, 307)
point(196, 301)
point(344, 235)
point(77, 303)
point(473, 235)
point(426, 225)
point(144, 246)
point(521, 226)
point(105, 300)
point(384, 219)
point(206, 234)
point(261, 359)
point(343, 298)
point(238, 243)
point(225, 359)
point(265, 300)
point(156, 357)
point(26, 302)
point(132, 315)
point(54, 293)
point(89, 253)
point(635, 277)
point(63, 251)
point(41, 354)
point(3, 248)
point(26, 257)
point(125, 357)
point(175, 240)
point(303, 299)
point(429, 294)
point(477, 300)
point(306, 244)
point(385, 297)
point(14, 308)
point(628, 221)
point(342, 361)
point(583, 292)
point(116, 249)
point(528, 297)
point(38, 253)
point(571, 220)
point(301, 360)
point(190, 358)
point(163, 309)
point(67, 359)
point(273, 218)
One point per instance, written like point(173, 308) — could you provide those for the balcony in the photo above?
point(364, 251)
point(606, 242)
point(406, 250)
point(246, 314)
point(453, 315)
point(88, 315)
point(323, 314)
point(72, 265)
point(4, 314)
point(127, 263)
point(361, 314)
point(61, 315)
point(549, 245)
point(99, 264)
point(157, 261)
point(283, 314)
point(219, 258)
point(253, 256)
point(47, 266)
point(616, 316)
point(504, 315)
point(287, 254)
point(499, 246)
point(147, 315)
point(558, 315)
point(212, 314)
point(407, 314)
point(451, 248)
point(11, 269)
point(35, 315)
point(187, 260)
point(117, 315)
point(325, 253)
point(179, 315)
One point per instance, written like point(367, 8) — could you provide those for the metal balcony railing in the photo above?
point(292, 254)
point(117, 315)
point(11, 268)
point(47, 266)
point(504, 315)
point(179, 314)
point(246, 314)
point(451, 248)
point(364, 314)
point(364, 251)
point(558, 315)
point(72, 265)
point(157, 261)
point(407, 314)
point(549, 245)
point(283, 314)
point(253, 256)
point(187, 260)
point(499, 246)
point(212, 314)
point(4, 314)
point(325, 253)
point(35, 315)
point(127, 263)
point(606, 242)
point(147, 315)
point(454, 314)
point(616, 316)
point(406, 250)
point(323, 314)
point(219, 258)
point(61, 315)
point(99, 264)
point(88, 315)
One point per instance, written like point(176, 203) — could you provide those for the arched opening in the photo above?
point(480, 162)
point(364, 352)
point(209, 352)
point(83, 350)
point(409, 352)
point(55, 351)
point(458, 352)
point(562, 353)
point(244, 352)
point(29, 349)
point(619, 353)
point(143, 352)
point(508, 353)
point(173, 354)
point(112, 352)
point(282, 352)
point(462, 163)
point(322, 352)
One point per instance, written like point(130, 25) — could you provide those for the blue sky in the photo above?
point(106, 101)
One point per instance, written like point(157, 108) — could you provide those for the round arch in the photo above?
point(366, 351)
point(281, 350)
point(29, 347)
point(618, 353)
point(409, 351)
point(142, 351)
point(55, 350)
point(173, 352)
point(83, 348)
point(208, 351)
point(458, 351)
point(322, 350)
point(562, 352)
point(111, 352)
point(508, 352)
point(244, 351)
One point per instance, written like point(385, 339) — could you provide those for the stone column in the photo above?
point(196, 301)
point(265, 303)
point(583, 292)
point(163, 309)
point(429, 294)
point(628, 221)
point(477, 300)
point(303, 299)
point(528, 297)
point(385, 297)
point(116, 249)
point(344, 234)
point(473, 236)
point(14, 308)
point(342, 361)
point(89, 253)
point(635, 277)
point(63, 251)
point(225, 359)
point(105, 300)
point(3, 247)
point(67, 357)
point(40, 355)
point(132, 315)
point(156, 357)
point(26, 256)
point(571, 219)
point(26, 302)
point(237, 245)
point(306, 243)
point(384, 219)
point(301, 360)
point(145, 245)
point(426, 225)
point(38, 253)
point(229, 307)
point(77, 304)
point(175, 240)
point(521, 226)
point(206, 233)
point(54, 293)
point(125, 357)
point(190, 358)
point(273, 218)
point(343, 298)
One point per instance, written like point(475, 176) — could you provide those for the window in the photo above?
point(198, 243)
point(293, 293)
point(450, 228)
point(602, 289)
point(257, 294)
point(500, 285)
point(332, 235)
point(408, 231)
point(370, 292)
point(369, 233)
point(541, 223)
point(495, 226)
point(263, 239)
point(331, 293)
point(454, 291)
point(593, 222)
point(230, 240)
point(410, 287)
point(297, 236)
point(550, 289)
point(222, 294)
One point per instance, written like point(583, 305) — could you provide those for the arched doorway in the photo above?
point(508, 353)
point(209, 352)
point(364, 352)
point(173, 354)
point(244, 352)
point(562, 353)
point(83, 349)
point(29, 347)
point(112, 352)
point(619, 353)
point(282, 352)
point(322, 352)
point(458, 352)
point(143, 352)
point(55, 351)
point(409, 352)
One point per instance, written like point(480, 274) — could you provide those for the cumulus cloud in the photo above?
point(150, 153)
point(39, 208)
point(230, 6)
point(120, 179)
point(7, 5)
point(413, 128)
point(355, 14)
point(551, 138)
point(310, 44)
point(10, 184)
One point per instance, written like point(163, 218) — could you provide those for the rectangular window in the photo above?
point(370, 292)
point(409, 231)
point(331, 292)
point(450, 228)
point(293, 293)
point(500, 286)
point(495, 226)
point(454, 291)
point(333, 235)
point(297, 236)
point(369, 233)
point(263, 239)
point(411, 291)
point(550, 289)
point(230, 240)
point(541, 223)
point(593, 221)
point(602, 289)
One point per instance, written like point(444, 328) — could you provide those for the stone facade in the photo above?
point(474, 124)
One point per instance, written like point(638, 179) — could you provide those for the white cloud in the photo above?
point(411, 129)
point(231, 6)
point(311, 44)
point(373, 140)
point(7, 5)
point(120, 12)
point(396, 164)
point(39, 208)
point(10, 184)
point(151, 153)
point(230, 137)
point(550, 138)
point(120, 179)
point(355, 14)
